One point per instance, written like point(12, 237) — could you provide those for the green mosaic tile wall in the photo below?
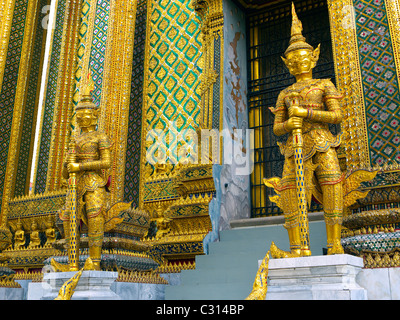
point(381, 88)
point(27, 136)
point(9, 86)
point(133, 146)
point(174, 86)
point(51, 90)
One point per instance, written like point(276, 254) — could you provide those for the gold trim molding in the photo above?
point(19, 104)
point(393, 16)
point(64, 95)
point(115, 96)
point(348, 78)
point(212, 17)
point(6, 15)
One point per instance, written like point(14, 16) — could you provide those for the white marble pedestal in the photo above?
point(315, 278)
point(93, 285)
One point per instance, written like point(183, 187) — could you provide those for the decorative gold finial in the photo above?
point(86, 101)
point(297, 26)
point(297, 40)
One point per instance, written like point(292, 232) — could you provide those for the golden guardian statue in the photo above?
point(311, 169)
point(304, 111)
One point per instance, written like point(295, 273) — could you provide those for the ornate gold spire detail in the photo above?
point(297, 40)
point(86, 101)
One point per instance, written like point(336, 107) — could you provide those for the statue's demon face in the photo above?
point(301, 61)
point(86, 118)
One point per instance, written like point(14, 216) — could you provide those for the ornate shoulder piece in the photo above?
point(86, 101)
point(280, 103)
point(330, 90)
point(104, 140)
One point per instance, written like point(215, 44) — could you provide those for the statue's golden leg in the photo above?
point(95, 224)
point(292, 226)
point(290, 207)
point(333, 214)
point(96, 235)
point(329, 177)
point(294, 240)
point(333, 232)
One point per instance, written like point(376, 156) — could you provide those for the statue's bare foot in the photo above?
point(336, 248)
point(277, 253)
point(59, 267)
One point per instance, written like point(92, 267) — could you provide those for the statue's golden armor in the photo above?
point(321, 101)
point(91, 150)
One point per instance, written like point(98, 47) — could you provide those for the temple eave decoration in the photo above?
point(183, 220)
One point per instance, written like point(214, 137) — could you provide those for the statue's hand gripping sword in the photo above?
point(300, 183)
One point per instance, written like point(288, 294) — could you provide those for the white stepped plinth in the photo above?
point(92, 285)
point(315, 278)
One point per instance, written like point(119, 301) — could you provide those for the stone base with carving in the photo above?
point(93, 285)
point(315, 278)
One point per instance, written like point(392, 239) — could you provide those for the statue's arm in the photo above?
point(333, 113)
point(280, 123)
point(65, 171)
point(103, 163)
point(281, 118)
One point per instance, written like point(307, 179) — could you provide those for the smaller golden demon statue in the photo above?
point(311, 167)
point(86, 167)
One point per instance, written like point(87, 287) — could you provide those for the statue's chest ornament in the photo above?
point(87, 148)
point(309, 95)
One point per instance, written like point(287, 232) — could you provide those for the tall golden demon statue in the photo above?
point(311, 168)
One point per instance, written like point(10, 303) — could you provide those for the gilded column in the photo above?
point(393, 17)
point(27, 11)
point(31, 101)
point(65, 92)
point(349, 82)
point(115, 95)
point(6, 14)
point(146, 80)
point(211, 13)
point(171, 112)
point(369, 81)
point(138, 87)
point(393, 14)
point(49, 100)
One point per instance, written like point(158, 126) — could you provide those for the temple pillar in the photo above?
point(21, 61)
point(369, 81)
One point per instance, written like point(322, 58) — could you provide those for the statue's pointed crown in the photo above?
point(86, 101)
point(297, 40)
